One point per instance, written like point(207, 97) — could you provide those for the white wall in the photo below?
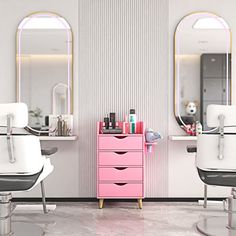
point(122, 49)
point(183, 179)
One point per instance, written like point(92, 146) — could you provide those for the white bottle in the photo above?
point(198, 128)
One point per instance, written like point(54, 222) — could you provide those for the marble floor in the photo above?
point(120, 219)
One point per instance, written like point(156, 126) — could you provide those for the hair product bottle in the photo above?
point(198, 128)
point(106, 120)
point(113, 119)
point(132, 121)
point(59, 125)
point(125, 127)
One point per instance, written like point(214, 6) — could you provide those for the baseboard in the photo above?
point(182, 199)
point(113, 200)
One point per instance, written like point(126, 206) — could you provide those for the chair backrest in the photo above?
point(27, 154)
point(18, 111)
point(19, 154)
point(217, 152)
point(207, 157)
point(213, 112)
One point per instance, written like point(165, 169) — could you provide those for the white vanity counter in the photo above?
point(182, 138)
point(58, 138)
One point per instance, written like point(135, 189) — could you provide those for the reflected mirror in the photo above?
point(202, 61)
point(60, 97)
point(44, 66)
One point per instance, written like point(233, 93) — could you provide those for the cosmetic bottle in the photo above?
point(132, 121)
point(125, 124)
point(113, 120)
point(46, 120)
point(64, 128)
point(117, 125)
point(198, 128)
point(59, 126)
point(106, 120)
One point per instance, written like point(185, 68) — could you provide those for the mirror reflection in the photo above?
point(44, 66)
point(60, 98)
point(202, 68)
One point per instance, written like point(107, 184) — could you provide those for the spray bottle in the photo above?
point(132, 121)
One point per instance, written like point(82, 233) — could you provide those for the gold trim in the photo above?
point(72, 57)
point(174, 53)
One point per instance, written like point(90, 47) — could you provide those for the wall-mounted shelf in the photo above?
point(58, 138)
point(182, 138)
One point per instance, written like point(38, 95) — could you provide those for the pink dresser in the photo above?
point(120, 165)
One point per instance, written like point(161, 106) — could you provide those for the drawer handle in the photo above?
point(120, 137)
point(120, 153)
point(120, 184)
point(120, 168)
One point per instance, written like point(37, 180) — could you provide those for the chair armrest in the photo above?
point(191, 149)
point(49, 151)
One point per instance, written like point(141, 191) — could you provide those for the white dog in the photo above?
point(191, 108)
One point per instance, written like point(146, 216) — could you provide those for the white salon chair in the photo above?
point(216, 165)
point(22, 166)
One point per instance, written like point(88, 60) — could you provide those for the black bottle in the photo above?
point(106, 120)
point(46, 120)
point(113, 120)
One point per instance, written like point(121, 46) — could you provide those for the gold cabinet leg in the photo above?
point(140, 203)
point(100, 204)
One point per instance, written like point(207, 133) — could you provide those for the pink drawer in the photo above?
point(120, 173)
point(120, 158)
point(121, 142)
point(120, 190)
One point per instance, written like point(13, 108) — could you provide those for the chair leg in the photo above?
point(221, 225)
point(205, 196)
point(8, 228)
point(5, 214)
point(43, 198)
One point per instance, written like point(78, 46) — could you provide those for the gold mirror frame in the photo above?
point(174, 59)
point(70, 74)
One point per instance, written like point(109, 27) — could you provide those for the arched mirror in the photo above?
point(202, 61)
point(59, 99)
point(44, 66)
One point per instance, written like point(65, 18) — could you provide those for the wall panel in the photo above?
point(123, 56)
